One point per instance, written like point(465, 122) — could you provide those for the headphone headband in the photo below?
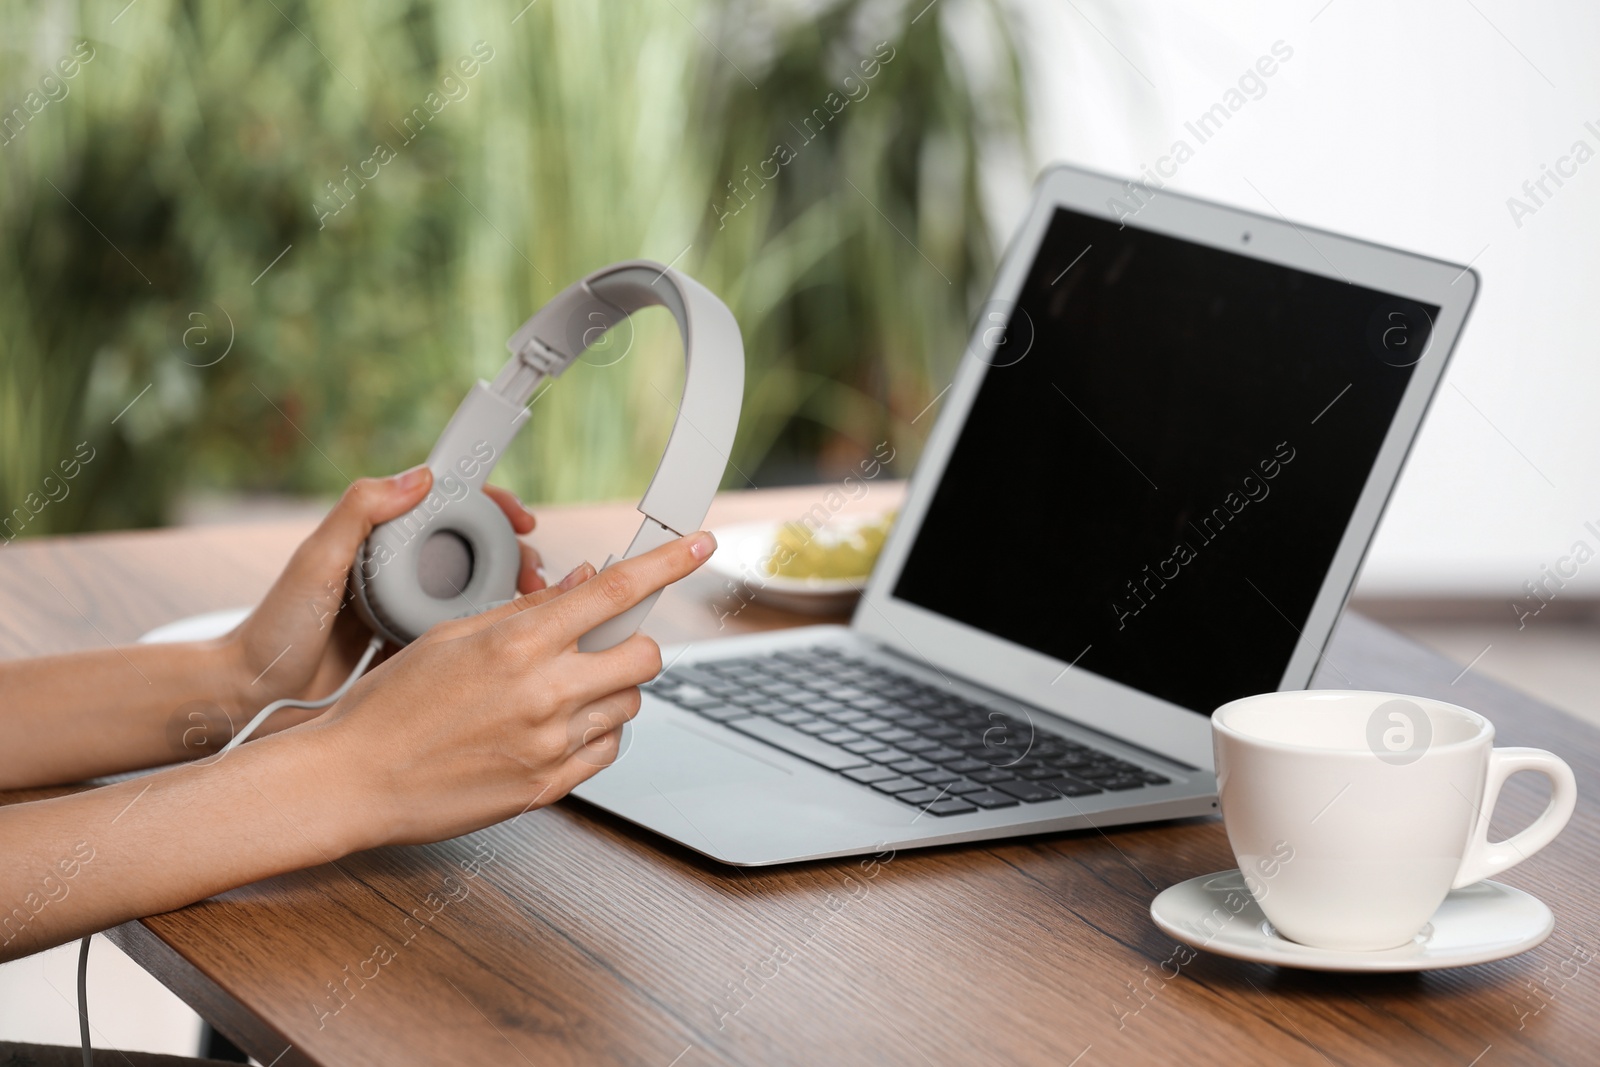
point(691, 468)
point(697, 452)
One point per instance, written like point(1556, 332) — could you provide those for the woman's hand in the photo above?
point(476, 722)
point(485, 717)
point(297, 642)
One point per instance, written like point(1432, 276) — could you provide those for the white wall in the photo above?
point(1408, 125)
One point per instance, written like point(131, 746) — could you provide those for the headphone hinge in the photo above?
point(533, 362)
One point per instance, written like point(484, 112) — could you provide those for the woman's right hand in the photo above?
point(485, 717)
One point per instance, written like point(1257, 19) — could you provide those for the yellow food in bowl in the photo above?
point(843, 552)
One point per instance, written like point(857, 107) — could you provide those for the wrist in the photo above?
point(226, 675)
point(313, 784)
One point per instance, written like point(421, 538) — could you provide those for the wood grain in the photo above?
point(568, 937)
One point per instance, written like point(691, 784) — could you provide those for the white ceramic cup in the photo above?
point(1353, 814)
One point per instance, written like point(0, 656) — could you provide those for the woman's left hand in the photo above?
point(298, 642)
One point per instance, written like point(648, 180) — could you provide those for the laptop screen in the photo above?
point(1161, 460)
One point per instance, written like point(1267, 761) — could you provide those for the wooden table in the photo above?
point(568, 937)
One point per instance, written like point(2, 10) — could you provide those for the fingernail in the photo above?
point(579, 575)
point(703, 545)
point(410, 479)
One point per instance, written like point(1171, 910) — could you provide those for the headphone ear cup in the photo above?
point(391, 587)
point(366, 603)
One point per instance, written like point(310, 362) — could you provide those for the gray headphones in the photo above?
point(455, 554)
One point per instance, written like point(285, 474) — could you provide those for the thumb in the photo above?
point(367, 503)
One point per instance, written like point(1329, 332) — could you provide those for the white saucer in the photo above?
point(1480, 923)
point(196, 627)
point(743, 549)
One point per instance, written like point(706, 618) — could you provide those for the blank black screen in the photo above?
point(1156, 488)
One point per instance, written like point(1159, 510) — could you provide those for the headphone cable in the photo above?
point(83, 1002)
point(278, 705)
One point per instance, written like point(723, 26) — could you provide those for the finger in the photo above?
point(520, 517)
point(601, 752)
point(552, 785)
point(621, 586)
point(331, 548)
point(591, 676)
point(598, 718)
point(530, 579)
point(578, 575)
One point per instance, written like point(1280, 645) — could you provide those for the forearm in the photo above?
point(67, 718)
point(82, 863)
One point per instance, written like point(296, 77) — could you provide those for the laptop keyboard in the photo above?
point(918, 743)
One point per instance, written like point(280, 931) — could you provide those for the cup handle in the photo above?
point(1483, 858)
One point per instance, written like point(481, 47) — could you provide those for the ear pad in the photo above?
point(421, 569)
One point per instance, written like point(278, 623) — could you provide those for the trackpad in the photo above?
point(687, 780)
point(671, 757)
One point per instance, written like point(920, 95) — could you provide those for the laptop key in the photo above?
point(1150, 777)
point(887, 755)
point(995, 774)
point(936, 777)
point(769, 711)
point(962, 787)
point(795, 718)
point(918, 745)
point(990, 799)
point(840, 737)
point(734, 663)
point(815, 726)
point(864, 746)
point(798, 744)
point(894, 736)
point(963, 765)
point(724, 712)
point(1070, 787)
point(912, 766)
point(897, 785)
point(1123, 782)
point(951, 806)
point(1028, 792)
point(921, 797)
point(868, 775)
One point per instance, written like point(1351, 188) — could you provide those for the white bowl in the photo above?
point(744, 548)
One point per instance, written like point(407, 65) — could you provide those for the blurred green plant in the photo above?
point(267, 246)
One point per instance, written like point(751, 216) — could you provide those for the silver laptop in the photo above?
point(1148, 492)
